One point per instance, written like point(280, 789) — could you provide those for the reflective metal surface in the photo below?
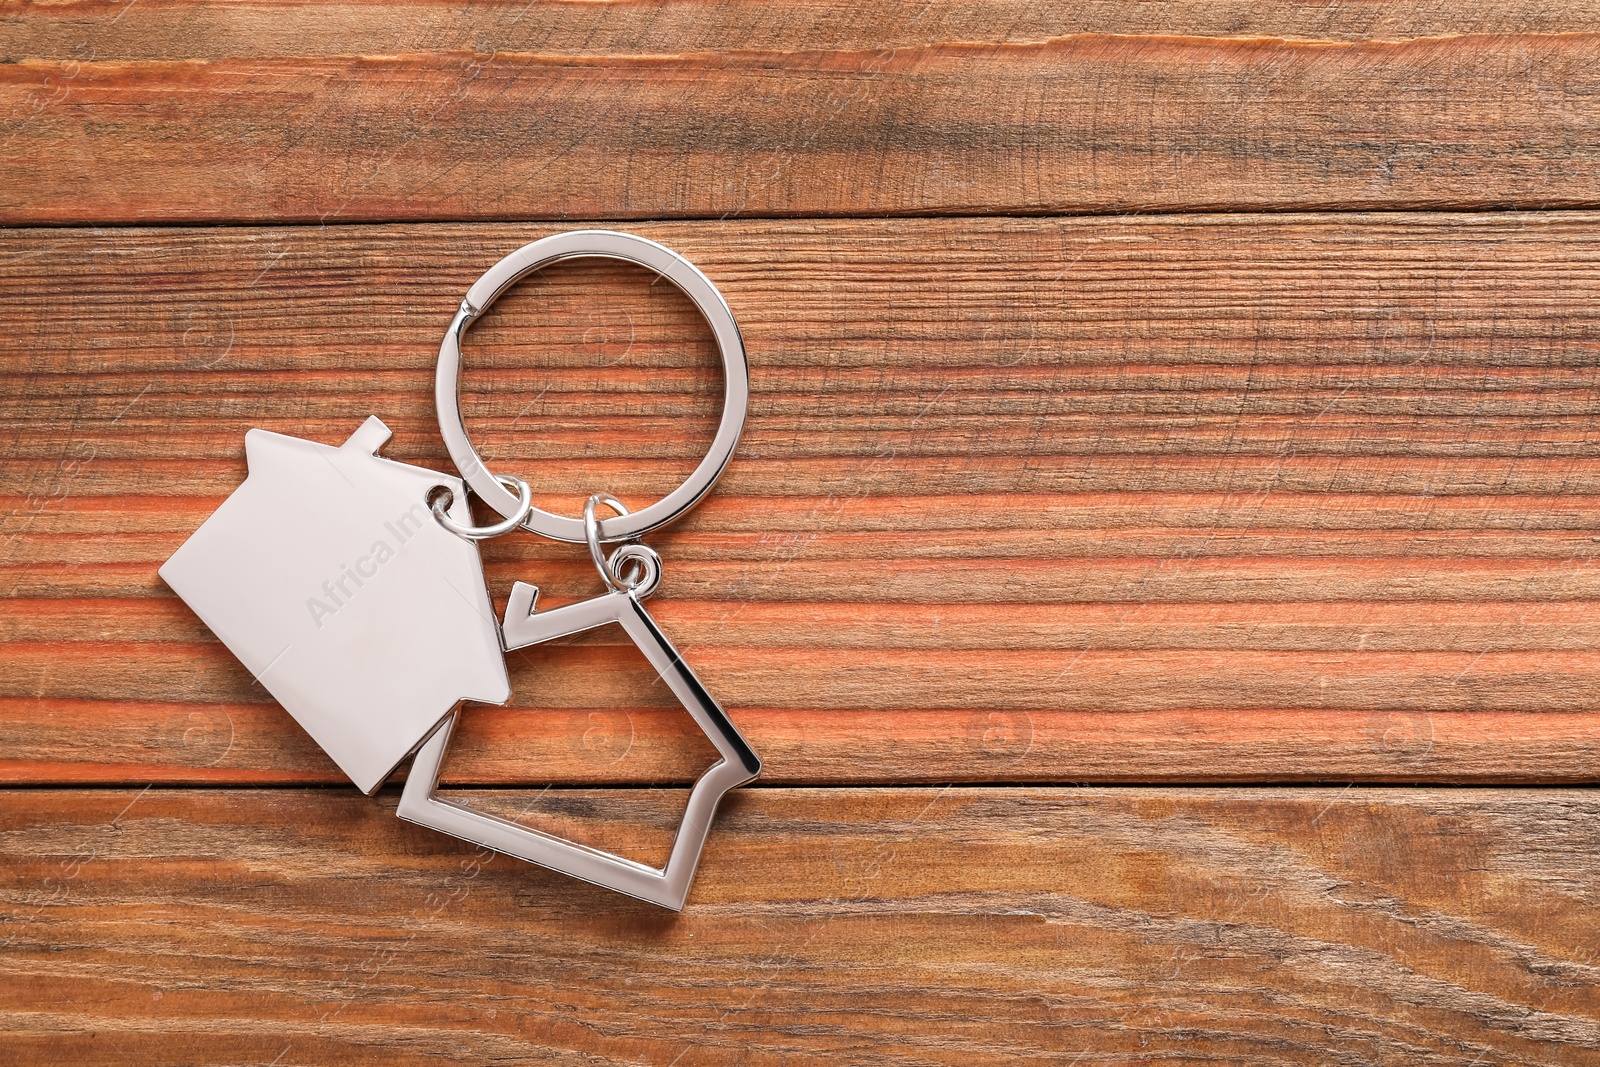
point(444, 499)
point(669, 885)
point(325, 574)
point(602, 244)
point(361, 606)
point(633, 567)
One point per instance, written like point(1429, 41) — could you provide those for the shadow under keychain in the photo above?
point(361, 606)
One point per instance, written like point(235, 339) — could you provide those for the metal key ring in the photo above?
point(601, 244)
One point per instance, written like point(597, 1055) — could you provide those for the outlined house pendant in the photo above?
point(667, 886)
point(327, 576)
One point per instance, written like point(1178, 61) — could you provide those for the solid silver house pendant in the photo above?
point(350, 586)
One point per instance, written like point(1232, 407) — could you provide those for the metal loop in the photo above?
point(591, 534)
point(632, 568)
point(602, 244)
point(642, 562)
point(483, 533)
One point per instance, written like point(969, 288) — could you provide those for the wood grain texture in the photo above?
point(1203, 498)
point(1020, 500)
point(904, 926)
point(83, 30)
point(159, 111)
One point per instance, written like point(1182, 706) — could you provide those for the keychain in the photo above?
point(361, 606)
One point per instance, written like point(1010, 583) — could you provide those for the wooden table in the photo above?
point(1158, 573)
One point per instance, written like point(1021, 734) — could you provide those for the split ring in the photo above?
point(603, 244)
point(524, 504)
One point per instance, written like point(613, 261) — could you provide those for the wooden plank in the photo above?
point(172, 112)
point(893, 926)
point(83, 30)
point(1046, 500)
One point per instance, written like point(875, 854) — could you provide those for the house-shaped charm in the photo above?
point(327, 576)
point(737, 763)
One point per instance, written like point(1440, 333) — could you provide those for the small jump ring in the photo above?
point(591, 533)
point(645, 564)
point(483, 533)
